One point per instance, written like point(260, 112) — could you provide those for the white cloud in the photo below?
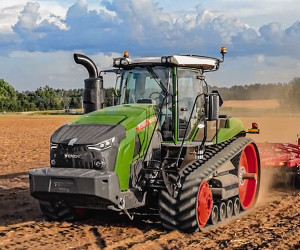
point(144, 26)
point(29, 17)
point(8, 17)
point(54, 29)
point(30, 70)
point(256, 12)
point(48, 10)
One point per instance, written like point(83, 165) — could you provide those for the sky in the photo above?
point(38, 38)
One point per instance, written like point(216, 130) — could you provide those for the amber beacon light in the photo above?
point(223, 52)
point(126, 53)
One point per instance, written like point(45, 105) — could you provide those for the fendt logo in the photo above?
point(72, 156)
point(72, 141)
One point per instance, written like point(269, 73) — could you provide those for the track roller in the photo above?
point(222, 211)
point(214, 217)
point(229, 208)
point(236, 206)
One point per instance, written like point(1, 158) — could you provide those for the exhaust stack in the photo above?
point(93, 94)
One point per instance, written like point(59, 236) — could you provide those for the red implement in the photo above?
point(279, 154)
point(282, 156)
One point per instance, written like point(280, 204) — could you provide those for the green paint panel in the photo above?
point(126, 150)
point(98, 119)
point(233, 127)
point(128, 115)
point(175, 90)
point(124, 159)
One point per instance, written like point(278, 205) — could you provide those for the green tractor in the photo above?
point(164, 146)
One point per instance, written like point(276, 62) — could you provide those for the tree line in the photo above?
point(48, 98)
point(44, 98)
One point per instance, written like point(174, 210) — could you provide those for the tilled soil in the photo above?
point(25, 141)
point(273, 223)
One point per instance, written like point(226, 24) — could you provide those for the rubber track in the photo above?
point(60, 213)
point(178, 212)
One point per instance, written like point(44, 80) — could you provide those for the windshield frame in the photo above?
point(152, 77)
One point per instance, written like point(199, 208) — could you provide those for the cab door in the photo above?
point(189, 87)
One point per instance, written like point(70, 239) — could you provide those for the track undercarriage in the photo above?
point(220, 186)
point(217, 187)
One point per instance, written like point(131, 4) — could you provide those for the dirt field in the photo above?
point(252, 104)
point(274, 223)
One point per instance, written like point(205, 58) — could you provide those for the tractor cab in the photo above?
point(175, 85)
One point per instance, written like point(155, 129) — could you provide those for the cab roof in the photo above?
point(191, 61)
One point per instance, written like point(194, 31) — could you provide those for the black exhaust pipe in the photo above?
point(93, 94)
point(88, 64)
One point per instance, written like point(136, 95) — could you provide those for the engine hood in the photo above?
point(82, 134)
point(127, 115)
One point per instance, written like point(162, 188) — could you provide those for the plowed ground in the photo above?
point(274, 222)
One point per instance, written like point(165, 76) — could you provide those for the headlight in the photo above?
point(117, 62)
point(102, 145)
point(125, 61)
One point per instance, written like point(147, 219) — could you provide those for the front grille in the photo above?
point(74, 157)
point(69, 146)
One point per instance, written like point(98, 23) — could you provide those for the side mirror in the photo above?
point(220, 98)
point(212, 107)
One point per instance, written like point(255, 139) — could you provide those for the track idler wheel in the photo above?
point(58, 211)
point(249, 176)
point(204, 204)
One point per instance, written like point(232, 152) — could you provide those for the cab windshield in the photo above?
point(146, 85)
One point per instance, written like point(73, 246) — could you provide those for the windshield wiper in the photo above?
point(156, 78)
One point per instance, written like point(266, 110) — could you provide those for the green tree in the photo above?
point(8, 97)
point(109, 97)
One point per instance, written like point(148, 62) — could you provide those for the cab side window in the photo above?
point(189, 87)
